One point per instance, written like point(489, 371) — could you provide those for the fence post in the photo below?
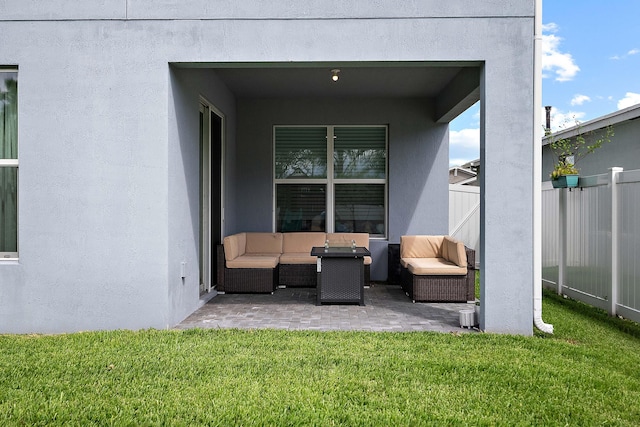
point(615, 232)
point(562, 239)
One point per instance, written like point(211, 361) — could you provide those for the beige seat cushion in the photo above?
point(433, 267)
point(253, 261)
point(297, 258)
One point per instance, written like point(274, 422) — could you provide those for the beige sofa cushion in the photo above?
point(434, 266)
point(234, 246)
point(254, 261)
point(302, 241)
point(297, 258)
point(455, 252)
point(264, 243)
point(421, 246)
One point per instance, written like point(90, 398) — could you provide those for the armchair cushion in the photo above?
point(421, 246)
point(234, 246)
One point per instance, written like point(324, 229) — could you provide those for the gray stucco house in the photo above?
point(140, 132)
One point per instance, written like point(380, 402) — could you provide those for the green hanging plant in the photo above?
point(563, 168)
point(568, 151)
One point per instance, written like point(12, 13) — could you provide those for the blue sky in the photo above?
point(591, 67)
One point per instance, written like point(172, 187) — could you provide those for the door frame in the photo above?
point(207, 251)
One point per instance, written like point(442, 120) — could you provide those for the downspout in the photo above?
point(537, 172)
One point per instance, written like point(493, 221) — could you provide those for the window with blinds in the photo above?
point(331, 178)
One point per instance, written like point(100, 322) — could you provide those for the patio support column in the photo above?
point(506, 176)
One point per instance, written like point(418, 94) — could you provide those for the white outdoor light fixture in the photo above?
point(334, 74)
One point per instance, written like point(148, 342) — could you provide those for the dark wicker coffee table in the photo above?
point(340, 274)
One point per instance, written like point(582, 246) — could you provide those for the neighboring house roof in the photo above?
point(466, 174)
point(629, 113)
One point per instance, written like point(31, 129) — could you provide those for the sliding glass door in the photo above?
point(211, 205)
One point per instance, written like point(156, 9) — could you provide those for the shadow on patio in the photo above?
point(386, 309)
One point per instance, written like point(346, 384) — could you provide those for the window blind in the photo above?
point(360, 152)
point(301, 207)
point(300, 152)
point(360, 208)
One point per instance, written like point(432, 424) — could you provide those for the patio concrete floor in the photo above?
point(386, 309)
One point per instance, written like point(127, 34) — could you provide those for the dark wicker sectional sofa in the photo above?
point(260, 262)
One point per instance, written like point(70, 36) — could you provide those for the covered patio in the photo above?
point(386, 309)
point(255, 102)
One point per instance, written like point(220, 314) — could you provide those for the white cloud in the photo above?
point(562, 120)
point(464, 146)
point(465, 138)
point(625, 56)
point(554, 61)
point(629, 99)
point(580, 99)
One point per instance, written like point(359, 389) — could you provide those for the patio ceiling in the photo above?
point(453, 85)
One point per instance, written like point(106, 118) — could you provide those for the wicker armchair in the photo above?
point(441, 287)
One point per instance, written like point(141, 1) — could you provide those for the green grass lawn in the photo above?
point(587, 373)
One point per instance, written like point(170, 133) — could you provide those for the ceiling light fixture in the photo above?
point(334, 74)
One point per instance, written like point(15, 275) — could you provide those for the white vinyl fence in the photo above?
point(464, 216)
point(591, 241)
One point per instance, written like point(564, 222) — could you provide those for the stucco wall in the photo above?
point(97, 143)
point(93, 200)
point(186, 88)
point(257, 9)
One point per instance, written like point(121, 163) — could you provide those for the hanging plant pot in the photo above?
point(565, 181)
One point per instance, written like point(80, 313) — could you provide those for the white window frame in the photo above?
point(330, 181)
point(11, 163)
